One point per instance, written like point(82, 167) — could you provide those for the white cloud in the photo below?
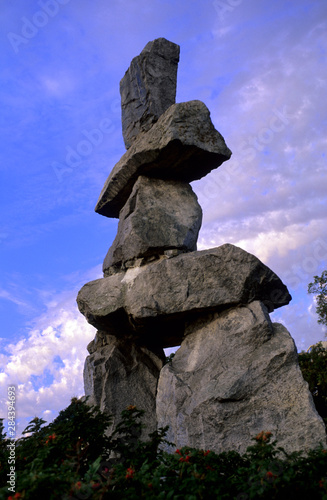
point(263, 236)
point(301, 321)
point(47, 365)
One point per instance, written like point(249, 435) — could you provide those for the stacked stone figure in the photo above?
point(235, 373)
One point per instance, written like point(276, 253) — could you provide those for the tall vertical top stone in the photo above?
point(148, 87)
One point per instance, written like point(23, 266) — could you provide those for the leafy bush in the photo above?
point(313, 365)
point(71, 458)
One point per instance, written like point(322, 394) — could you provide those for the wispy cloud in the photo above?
point(4, 294)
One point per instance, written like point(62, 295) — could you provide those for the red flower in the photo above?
point(321, 483)
point(95, 485)
point(17, 495)
point(263, 436)
point(130, 473)
point(178, 452)
point(270, 475)
point(150, 486)
point(186, 459)
point(78, 485)
point(206, 453)
point(50, 438)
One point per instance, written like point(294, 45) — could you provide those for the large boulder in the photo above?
point(148, 87)
point(234, 376)
point(156, 299)
point(182, 145)
point(119, 373)
point(159, 216)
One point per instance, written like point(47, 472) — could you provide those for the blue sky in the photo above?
point(260, 67)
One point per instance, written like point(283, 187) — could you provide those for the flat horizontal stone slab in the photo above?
point(182, 145)
point(155, 300)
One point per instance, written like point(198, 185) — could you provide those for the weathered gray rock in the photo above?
point(157, 298)
point(119, 373)
point(234, 376)
point(158, 216)
point(182, 145)
point(148, 87)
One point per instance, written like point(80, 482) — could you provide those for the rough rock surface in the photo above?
point(158, 216)
point(182, 145)
point(169, 290)
point(148, 87)
point(118, 373)
point(234, 376)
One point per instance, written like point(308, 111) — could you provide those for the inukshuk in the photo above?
point(235, 373)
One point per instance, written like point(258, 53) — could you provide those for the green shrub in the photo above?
point(71, 459)
point(313, 365)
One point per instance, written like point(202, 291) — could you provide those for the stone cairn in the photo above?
point(235, 373)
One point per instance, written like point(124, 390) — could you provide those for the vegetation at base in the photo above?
point(313, 365)
point(70, 459)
